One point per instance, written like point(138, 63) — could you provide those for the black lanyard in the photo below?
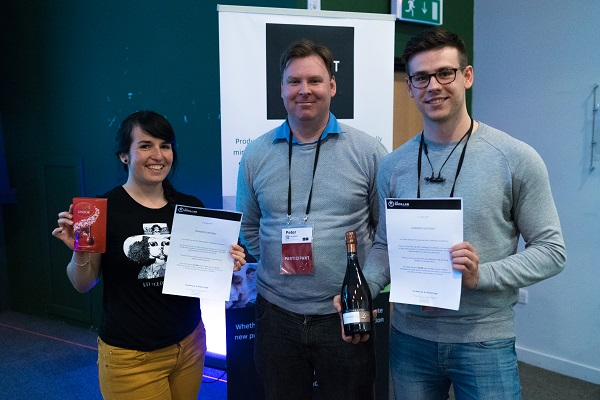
point(289, 213)
point(458, 168)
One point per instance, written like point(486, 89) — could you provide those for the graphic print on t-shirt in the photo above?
point(150, 250)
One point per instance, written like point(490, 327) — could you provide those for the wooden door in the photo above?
point(407, 118)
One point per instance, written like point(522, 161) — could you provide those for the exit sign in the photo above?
point(428, 12)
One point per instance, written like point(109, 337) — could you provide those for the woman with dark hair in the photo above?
point(150, 345)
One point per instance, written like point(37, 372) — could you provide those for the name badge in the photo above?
point(296, 250)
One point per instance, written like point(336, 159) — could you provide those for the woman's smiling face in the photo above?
point(150, 159)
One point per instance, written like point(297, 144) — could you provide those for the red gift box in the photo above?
point(89, 224)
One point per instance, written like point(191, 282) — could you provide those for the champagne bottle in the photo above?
point(356, 297)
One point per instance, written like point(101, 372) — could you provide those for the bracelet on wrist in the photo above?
point(84, 264)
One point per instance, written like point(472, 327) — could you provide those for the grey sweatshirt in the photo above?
point(344, 198)
point(506, 194)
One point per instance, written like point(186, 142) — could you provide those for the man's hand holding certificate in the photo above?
point(199, 263)
point(420, 233)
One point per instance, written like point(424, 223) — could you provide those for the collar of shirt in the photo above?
point(283, 132)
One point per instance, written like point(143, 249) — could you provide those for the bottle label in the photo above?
point(356, 317)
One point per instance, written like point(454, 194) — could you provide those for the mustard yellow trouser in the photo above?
point(170, 373)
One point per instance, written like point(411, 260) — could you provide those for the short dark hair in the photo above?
point(306, 48)
point(150, 122)
point(433, 39)
point(156, 126)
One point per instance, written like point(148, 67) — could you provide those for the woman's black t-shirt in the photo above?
point(135, 313)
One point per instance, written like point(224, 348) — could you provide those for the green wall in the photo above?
point(70, 71)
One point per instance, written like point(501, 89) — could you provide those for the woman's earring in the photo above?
point(125, 160)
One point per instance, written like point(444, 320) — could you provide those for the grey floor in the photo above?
point(48, 359)
point(52, 360)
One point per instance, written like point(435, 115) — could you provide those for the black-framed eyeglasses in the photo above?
point(443, 76)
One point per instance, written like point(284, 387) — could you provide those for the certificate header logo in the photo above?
point(397, 204)
point(186, 210)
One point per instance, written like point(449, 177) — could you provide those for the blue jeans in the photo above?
point(290, 349)
point(424, 370)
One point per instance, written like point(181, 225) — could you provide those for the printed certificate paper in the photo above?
point(420, 233)
point(199, 263)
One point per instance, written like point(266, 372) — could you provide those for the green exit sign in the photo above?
point(419, 11)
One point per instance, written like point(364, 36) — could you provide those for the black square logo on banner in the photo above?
point(339, 39)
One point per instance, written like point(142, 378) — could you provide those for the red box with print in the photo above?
point(89, 224)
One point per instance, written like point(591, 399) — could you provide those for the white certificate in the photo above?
point(420, 233)
point(199, 263)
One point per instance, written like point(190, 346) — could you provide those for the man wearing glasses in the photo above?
point(506, 194)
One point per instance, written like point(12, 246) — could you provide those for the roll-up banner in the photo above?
point(251, 40)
